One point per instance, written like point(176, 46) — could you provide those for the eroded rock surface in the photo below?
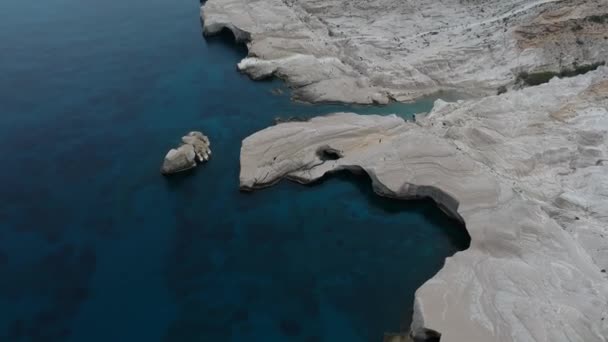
point(527, 171)
point(362, 51)
point(195, 149)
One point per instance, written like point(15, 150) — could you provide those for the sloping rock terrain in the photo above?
point(526, 171)
point(363, 51)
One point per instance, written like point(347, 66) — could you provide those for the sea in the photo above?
point(97, 245)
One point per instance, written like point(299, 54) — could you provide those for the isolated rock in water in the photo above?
point(373, 51)
point(524, 171)
point(200, 143)
point(179, 159)
point(195, 148)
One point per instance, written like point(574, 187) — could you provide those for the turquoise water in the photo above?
point(95, 245)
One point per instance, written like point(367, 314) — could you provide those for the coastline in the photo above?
point(342, 80)
point(405, 52)
point(519, 221)
point(93, 236)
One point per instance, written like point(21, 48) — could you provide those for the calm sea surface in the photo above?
point(95, 245)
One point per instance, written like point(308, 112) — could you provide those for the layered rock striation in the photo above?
point(526, 171)
point(375, 51)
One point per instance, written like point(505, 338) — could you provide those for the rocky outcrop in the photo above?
point(195, 149)
point(374, 51)
point(526, 171)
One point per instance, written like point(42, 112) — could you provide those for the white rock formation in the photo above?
point(365, 51)
point(526, 171)
point(195, 148)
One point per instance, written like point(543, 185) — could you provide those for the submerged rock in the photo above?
point(195, 149)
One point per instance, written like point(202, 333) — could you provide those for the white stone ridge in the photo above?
point(527, 171)
point(374, 51)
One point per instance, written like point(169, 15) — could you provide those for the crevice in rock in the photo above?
point(538, 78)
point(226, 37)
point(239, 36)
point(326, 153)
point(425, 335)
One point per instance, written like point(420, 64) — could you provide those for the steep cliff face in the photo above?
point(375, 51)
point(527, 171)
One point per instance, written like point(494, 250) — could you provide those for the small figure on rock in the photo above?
point(195, 149)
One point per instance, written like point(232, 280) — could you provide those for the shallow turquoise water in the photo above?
point(96, 246)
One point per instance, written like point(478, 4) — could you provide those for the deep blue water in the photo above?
point(95, 245)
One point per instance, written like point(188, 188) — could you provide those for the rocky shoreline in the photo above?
point(525, 170)
point(383, 50)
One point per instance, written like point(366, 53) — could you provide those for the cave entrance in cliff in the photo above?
point(226, 39)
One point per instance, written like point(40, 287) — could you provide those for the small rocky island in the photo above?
point(195, 148)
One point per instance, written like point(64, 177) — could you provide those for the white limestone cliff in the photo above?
point(374, 51)
point(527, 172)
